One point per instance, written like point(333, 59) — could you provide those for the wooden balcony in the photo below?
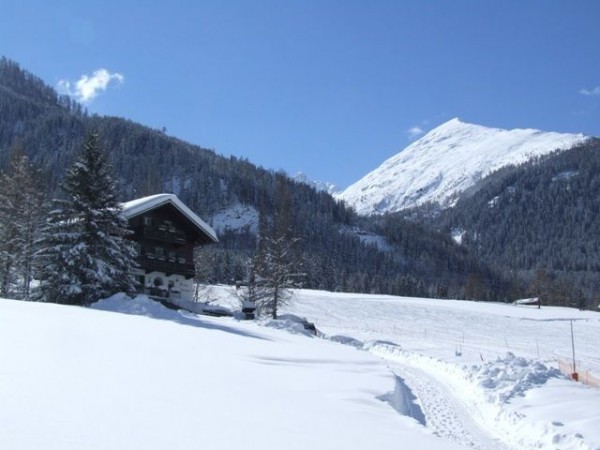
point(151, 264)
point(164, 234)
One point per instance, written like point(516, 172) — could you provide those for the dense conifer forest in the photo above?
point(540, 222)
point(338, 250)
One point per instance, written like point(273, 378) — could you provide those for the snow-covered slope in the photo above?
point(447, 161)
point(236, 218)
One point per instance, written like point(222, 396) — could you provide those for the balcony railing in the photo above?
point(150, 264)
point(166, 234)
point(157, 292)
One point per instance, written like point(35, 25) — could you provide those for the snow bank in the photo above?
point(290, 323)
point(530, 412)
point(509, 376)
point(139, 306)
point(404, 401)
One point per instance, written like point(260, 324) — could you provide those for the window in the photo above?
point(169, 226)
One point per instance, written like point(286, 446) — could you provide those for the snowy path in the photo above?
point(437, 401)
point(435, 397)
point(445, 414)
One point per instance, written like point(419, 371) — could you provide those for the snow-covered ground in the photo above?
point(485, 374)
point(82, 378)
point(388, 372)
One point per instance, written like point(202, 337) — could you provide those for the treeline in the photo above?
point(414, 261)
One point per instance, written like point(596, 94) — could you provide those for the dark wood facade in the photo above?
point(166, 241)
point(165, 233)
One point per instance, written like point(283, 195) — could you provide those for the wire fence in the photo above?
point(583, 375)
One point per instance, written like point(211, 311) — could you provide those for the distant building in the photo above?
point(166, 232)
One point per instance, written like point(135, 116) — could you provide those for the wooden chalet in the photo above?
point(166, 232)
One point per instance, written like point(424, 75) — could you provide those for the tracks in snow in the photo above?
point(445, 414)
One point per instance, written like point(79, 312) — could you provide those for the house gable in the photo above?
point(200, 232)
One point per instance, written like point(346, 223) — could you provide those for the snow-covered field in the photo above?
point(479, 370)
point(388, 372)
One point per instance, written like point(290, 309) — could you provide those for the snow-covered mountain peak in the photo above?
point(325, 186)
point(446, 161)
point(452, 124)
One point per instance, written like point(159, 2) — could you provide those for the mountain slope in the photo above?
point(539, 215)
point(447, 161)
point(50, 130)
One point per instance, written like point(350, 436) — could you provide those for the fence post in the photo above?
point(574, 375)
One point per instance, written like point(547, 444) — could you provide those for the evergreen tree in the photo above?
point(85, 250)
point(21, 215)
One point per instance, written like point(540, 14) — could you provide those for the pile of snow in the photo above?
point(536, 406)
point(447, 161)
point(138, 306)
point(291, 323)
point(508, 376)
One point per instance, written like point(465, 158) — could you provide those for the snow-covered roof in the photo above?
point(141, 205)
point(527, 301)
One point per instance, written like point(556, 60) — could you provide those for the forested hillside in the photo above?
point(539, 221)
point(338, 249)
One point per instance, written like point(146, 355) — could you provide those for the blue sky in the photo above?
point(327, 87)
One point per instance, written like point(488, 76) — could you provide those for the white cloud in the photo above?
point(414, 132)
point(87, 87)
point(595, 91)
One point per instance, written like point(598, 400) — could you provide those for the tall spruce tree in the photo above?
point(22, 209)
point(86, 255)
